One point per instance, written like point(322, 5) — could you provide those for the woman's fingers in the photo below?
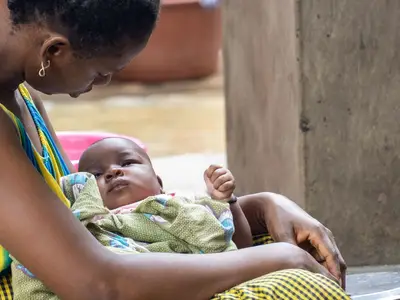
point(313, 266)
point(327, 250)
point(306, 245)
point(343, 268)
point(322, 270)
point(342, 263)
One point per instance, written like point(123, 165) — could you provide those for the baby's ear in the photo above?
point(160, 181)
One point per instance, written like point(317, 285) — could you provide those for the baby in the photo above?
point(125, 175)
point(119, 198)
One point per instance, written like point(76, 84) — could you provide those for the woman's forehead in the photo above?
point(117, 61)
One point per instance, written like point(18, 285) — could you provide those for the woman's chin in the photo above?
point(77, 94)
point(74, 95)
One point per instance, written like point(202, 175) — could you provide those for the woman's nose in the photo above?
point(102, 79)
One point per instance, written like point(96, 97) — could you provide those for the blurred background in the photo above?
point(170, 96)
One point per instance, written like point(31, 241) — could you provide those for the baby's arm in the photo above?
point(220, 185)
point(242, 236)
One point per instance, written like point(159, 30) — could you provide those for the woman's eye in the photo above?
point(104, 74)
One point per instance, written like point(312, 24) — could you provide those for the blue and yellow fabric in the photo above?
point(49, 163)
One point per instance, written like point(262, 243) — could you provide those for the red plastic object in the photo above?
point(75, 142)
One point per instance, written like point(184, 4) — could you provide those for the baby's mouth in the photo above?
point(117, 185)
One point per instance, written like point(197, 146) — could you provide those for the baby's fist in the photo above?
point(220, 182)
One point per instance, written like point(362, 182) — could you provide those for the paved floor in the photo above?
point(372, 283)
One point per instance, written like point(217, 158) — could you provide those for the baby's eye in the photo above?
point(97, 175)
point(128, 163)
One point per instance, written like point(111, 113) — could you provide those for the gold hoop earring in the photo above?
point(42, 71)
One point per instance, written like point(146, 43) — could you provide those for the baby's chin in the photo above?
point(127, 199)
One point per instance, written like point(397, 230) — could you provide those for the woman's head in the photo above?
point(80, 43)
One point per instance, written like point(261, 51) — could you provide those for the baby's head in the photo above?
point(123, 171)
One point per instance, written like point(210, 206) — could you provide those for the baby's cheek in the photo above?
point(102, 190)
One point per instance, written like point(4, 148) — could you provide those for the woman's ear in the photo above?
point(54, 46)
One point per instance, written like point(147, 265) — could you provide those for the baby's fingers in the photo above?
point(221, 180)
point(211, 169)
point(227, 187)
point(217, 174)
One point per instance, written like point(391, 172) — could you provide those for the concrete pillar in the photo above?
point(313, 112)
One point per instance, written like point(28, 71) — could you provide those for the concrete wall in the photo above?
point(313, 111)
point(262, 96)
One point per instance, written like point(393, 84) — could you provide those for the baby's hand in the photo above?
point(220, 182)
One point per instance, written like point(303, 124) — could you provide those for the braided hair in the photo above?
point(93, 27)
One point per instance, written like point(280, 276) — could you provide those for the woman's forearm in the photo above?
point(196, 277)
point(254, 208)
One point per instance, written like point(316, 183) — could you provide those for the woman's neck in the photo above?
point(14, 48)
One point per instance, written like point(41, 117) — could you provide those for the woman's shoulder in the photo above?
point(34, 95)
point(8, 126)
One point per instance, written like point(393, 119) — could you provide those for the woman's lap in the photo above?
point(286, 284)
point(5, 287)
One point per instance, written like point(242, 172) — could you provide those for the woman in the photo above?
point(61, 46)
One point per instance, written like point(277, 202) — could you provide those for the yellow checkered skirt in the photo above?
point(285, 285)
point(5, 286)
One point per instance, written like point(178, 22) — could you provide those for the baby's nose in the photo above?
point(115, 172)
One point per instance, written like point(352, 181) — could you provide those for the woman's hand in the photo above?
point(288, 256)
point(285, 221)
point(283, 256)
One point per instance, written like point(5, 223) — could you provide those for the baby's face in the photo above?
point(123, 171)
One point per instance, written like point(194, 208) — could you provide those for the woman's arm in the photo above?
point(253, 207)
point(199, 277)
point(46, 238)
point(39, 105)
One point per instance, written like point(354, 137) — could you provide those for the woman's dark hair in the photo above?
point(92, 26)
